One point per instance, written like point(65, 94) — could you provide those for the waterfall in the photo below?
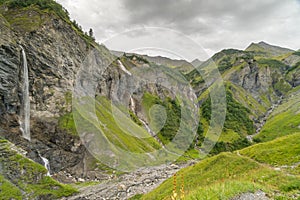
point(153, 134)
point(132, 104)
point(148, 128)
point(264, 119)
point(123, 68)
point(46, 165)
point(25, 110)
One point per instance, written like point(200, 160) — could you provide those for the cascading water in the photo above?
point(132, 107)
point(46, 165)
point(152, 133)
point(123, 68)
point(132, 104)
point(25, 111)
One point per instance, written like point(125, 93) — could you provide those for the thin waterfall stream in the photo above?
point(25, 110)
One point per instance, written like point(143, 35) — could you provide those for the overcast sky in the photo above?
point(186, 25)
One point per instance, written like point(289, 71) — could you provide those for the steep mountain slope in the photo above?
point(55, 48)
point(254, 83)
point(284, 120)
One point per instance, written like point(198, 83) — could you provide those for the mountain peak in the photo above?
point(267, 49)
point(196, 62)
point(263, 43)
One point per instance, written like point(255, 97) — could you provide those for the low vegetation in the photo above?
point(278, 152)
point(225, 176)
point(283, 121)
point(236, 127)
point(26, 15)
point(31, 178)
point(173, 114)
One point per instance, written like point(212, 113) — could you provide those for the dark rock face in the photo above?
point(54, 53)
point(9, 76)
point(253, 79)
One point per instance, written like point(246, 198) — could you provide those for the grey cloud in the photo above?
point(184, 14)
point(216, 24)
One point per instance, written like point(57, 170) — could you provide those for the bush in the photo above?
point(272, 63)
point(297, 53)
point(237, 116)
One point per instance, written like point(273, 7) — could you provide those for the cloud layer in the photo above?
point(214, 24)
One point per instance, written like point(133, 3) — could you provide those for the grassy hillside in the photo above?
point(19, 174)
point(169, 128)
point(268, 50)
point(227, 174)
point(237, 123)
point(279, 152)
point(123, 133)
point(284, 120)
point(29, 15)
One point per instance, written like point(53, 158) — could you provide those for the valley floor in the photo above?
point(138, 182)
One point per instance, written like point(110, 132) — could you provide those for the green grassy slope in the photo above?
point(114, 123)
point(29, 15)
point(282, 151)
point(227, 174)
point(284, 120)
point(237, 123)
point(168, 125)
point(19, 174)
point(121, 133)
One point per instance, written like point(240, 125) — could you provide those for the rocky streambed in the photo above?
point(125, 186)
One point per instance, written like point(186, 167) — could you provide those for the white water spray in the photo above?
point(123, 68)
point(46, 165)
point(132, 104)
point(25, 111)
point(153, 134)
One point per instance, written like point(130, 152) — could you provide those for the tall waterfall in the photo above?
point(25, 110)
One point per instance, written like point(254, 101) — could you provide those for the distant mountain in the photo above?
point(196, 62)
point(181, 65)
point(267, 49)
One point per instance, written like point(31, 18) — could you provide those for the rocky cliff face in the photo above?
point(54, 48)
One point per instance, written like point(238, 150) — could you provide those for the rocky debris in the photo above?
point(128, 185)
point(259, 195)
